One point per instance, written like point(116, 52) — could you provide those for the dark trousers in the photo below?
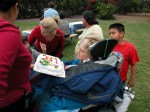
point(21, 105)
point(18, 106)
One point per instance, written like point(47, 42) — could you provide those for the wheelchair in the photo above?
point(101, 53)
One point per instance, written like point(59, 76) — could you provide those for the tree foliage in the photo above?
point(31, 8)
point(34, 8)
point(71, 7)
point(105, 11)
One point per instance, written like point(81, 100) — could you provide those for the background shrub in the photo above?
point(34, 8)
point(105, 11)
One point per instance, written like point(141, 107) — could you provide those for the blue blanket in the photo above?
point(99, 84)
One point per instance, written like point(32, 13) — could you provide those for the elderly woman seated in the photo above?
point(91, 81)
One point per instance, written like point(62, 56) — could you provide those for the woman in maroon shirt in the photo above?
point(15, 60)
point(49, 34)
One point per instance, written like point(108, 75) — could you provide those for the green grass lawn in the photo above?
point(139, 34)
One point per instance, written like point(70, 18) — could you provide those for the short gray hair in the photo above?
point(86, 43)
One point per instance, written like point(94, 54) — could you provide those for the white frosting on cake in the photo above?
point(49, 65)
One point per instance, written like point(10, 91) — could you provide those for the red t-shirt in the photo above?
point(15, 62)
point(130, 57)
point(55, 47)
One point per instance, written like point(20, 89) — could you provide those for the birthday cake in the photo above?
point(49, 65)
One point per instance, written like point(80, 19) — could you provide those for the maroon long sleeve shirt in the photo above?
point(55, 47)
point(15, 62)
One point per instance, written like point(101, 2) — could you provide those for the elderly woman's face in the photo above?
point(83, 53)
point(48, 36)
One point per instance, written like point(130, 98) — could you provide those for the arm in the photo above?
point(132, 76)
point(11, 45)
point(134, 58)
point(35, 54)
point(32, 37)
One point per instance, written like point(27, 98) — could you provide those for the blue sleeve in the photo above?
point(72, 62)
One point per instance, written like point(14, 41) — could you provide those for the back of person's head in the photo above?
point(26, 43)
point(90, 17)
point(49, 25)
point(51, 4)
point(118, 26)
point(62, 15)
point(24, 39)
point(57, 19)
point(5, 5)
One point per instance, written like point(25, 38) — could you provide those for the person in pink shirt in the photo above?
point(128, 51)
point(49, 34)
point(15, 60)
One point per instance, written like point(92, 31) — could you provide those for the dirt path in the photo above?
point(130, 17)
point(133, 17)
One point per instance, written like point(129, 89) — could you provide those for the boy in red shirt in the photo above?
point(128, 51)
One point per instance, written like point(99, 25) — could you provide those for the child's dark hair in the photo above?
point(61, 15)
point(5, 5)
point(117, 26)
point(24, 39)
point(51, 4)
point(90, 17)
